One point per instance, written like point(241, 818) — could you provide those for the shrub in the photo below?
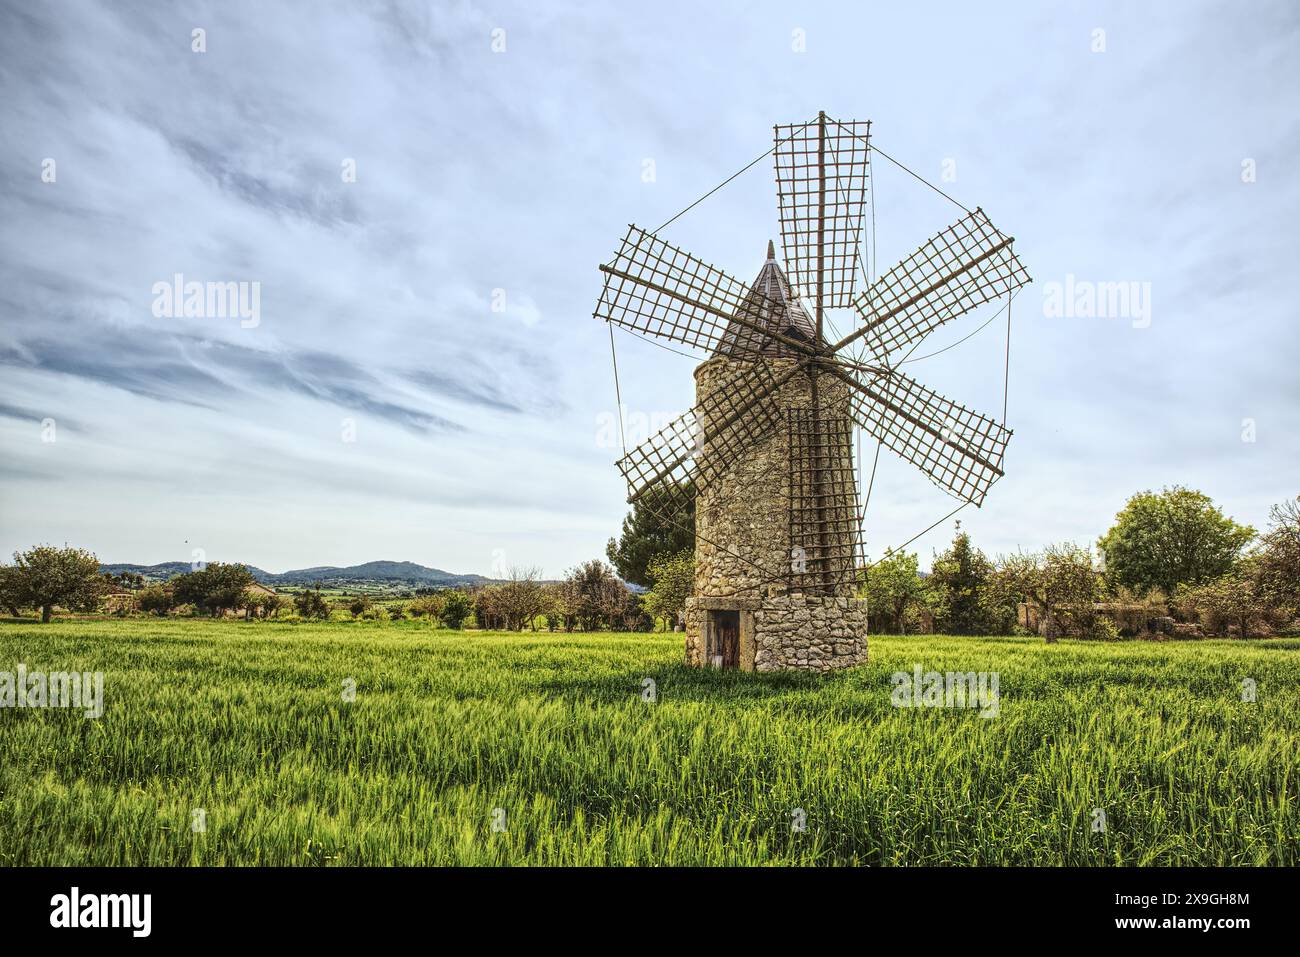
point(157, 600)
point(674, 579)
point(311, 604)
point(1232, 601)
point(456, 608)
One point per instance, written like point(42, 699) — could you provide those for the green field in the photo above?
point(247, 721)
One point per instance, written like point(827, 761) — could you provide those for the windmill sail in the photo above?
point(658, 290)
point(821, 183)
point(961, 267)
point(960, 450)
point(696, 448)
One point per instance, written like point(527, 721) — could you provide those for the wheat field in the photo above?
point(231, 743)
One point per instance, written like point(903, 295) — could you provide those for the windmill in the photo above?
point(766, 455)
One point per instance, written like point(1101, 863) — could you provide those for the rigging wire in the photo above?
point(899, 548)
point(745, 169)
point(984, 325)
point(618, 392)
point(1006, 371)
point(917, 177)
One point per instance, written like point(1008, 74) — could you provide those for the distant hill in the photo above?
point(388, 572)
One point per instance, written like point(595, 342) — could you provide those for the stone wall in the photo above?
point(743, 547)
point(742, 521)
point(795, 631)
point(810, 631)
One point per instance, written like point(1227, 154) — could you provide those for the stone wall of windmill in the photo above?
point(744, 557)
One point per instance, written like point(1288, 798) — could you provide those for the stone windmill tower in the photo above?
point(765, 507)
point(766, 454)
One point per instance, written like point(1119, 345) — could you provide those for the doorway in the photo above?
point(725, 646)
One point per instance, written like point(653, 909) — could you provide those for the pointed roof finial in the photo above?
point(771, 251)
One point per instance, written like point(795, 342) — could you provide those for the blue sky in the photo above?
point(425, 380)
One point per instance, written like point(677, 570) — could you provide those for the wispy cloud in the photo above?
point(441, 298)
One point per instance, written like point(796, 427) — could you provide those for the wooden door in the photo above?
point(729, 643)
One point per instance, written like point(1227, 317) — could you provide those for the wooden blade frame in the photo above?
point(656, 289)
point(825, 527)
point(821, 183)
point(959, 449)
point(725, 425)
point(961, 267)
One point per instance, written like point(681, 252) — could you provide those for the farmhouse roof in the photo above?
point(770, 305)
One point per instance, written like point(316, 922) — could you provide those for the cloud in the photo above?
point(519, 171)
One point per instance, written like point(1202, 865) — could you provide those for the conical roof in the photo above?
point(769, 305)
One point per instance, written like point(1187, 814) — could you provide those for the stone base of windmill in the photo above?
point(776, 633)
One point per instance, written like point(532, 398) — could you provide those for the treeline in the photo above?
point(1171, 556)
point(591, 597)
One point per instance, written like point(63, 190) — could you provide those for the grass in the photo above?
point(247, 721)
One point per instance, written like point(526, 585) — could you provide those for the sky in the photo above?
point(419, 195)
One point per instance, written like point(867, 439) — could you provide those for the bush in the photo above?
point(430, 605)
point(959, 580)
point(157, 600)
point(1232, 601)
point(311, 604)
point(456, 608)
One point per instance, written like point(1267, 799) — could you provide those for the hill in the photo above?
point(405, 573)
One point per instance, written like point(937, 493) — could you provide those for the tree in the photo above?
point(891, 587)
point(49, 576)
point(662, 522)
point(456, 608)
point(1176, 537)
point(311, 604)
point(124, 581)
point(271, 605)
point(430, 604)
point(674, 578)
point(12, 596)
point(595, 595)
point(1276, 562)
point(358, 605)
point(1061, 583)
point(157, 600)
point(487, 608)
point(959, 578)
point(215, 588)
point(555, 608)
point(520, 598)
